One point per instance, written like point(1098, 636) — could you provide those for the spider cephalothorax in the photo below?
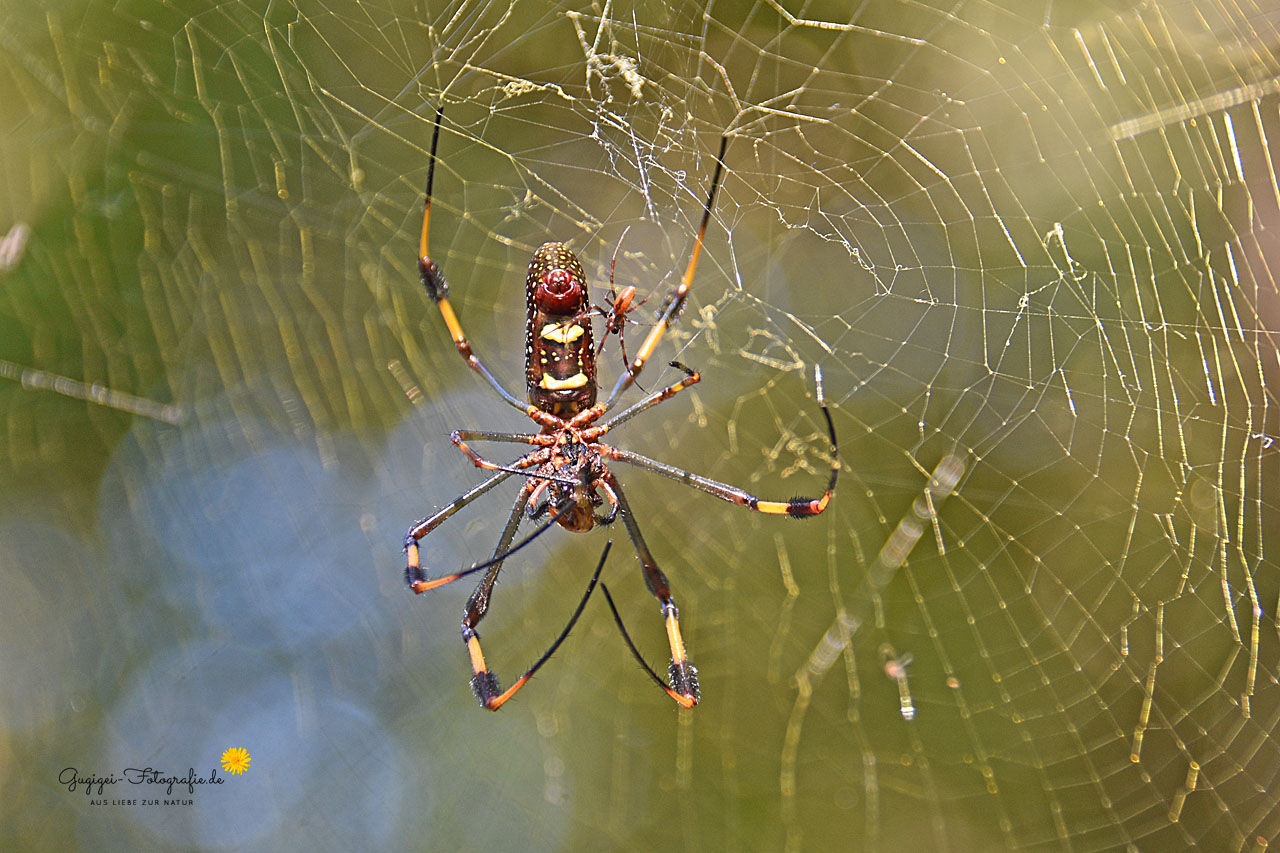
point(579, 491)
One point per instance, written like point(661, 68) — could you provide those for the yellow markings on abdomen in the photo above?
point(550, 383)
point(560, 333)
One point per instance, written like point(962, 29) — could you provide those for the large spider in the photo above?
point(567, 472)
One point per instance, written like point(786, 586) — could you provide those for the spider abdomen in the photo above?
point(560, 363)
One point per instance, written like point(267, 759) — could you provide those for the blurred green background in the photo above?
point(1028, 244)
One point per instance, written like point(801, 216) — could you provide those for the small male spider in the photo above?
point(615, 312)
point(567, 472)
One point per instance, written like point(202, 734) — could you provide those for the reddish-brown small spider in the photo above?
point(615, 313)
point(567, 472)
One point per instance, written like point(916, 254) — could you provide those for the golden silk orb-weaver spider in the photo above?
point(566, 473)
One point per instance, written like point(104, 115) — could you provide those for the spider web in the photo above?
point(1027, 243)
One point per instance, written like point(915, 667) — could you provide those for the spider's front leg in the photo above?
point(682, 675)
point(494, 700)
point(484, 683)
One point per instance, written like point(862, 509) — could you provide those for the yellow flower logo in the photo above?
point(235, 760)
